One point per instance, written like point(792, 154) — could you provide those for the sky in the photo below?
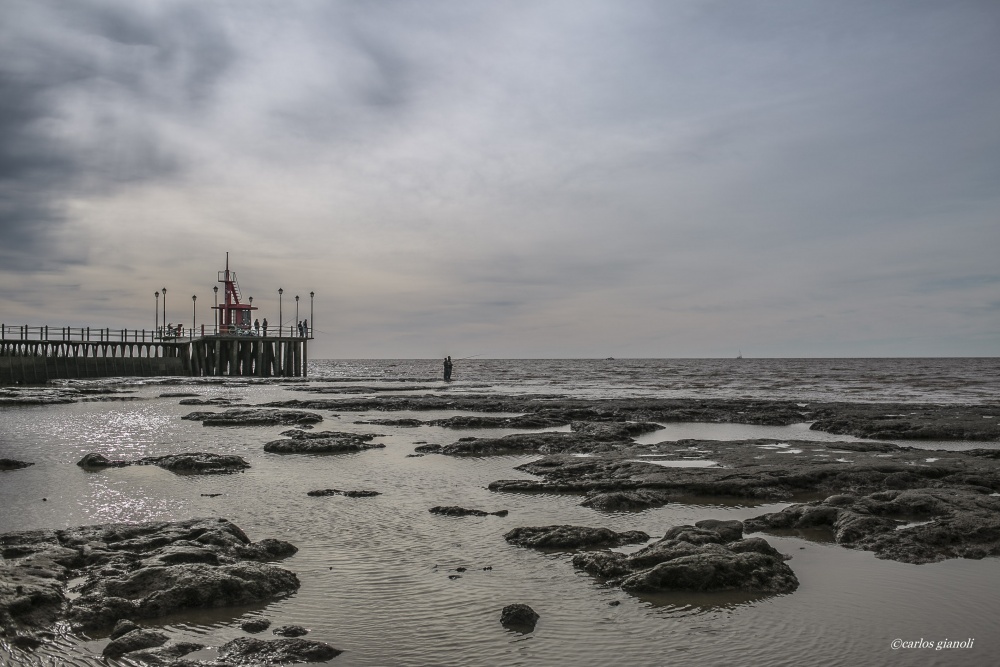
point(512, 179)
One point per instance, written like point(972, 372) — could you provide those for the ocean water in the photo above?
point(929, 380)
point(375, 571)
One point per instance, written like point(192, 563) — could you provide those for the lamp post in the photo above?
point(216, 290)
point(164, 290)
point(297, 320)
point(157, 312)
point(280, 292)
point(250, 315)
point(312, 320)
point(194, 314)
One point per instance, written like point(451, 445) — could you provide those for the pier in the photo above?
point(34, 355)
point(235, 344)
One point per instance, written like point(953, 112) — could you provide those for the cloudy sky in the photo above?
point(566, 178)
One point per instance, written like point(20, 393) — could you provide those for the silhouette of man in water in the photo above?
point(447, 369)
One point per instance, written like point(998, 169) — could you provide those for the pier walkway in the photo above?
point(34, 355)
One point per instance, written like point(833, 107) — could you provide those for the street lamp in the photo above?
point(312, 320)
point(164, 290)
point(216, 290)
point(297, 320)
point(194, 313)
point(280, 292)
point(157, 312)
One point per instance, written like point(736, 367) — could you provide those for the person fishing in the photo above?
point(447, 369)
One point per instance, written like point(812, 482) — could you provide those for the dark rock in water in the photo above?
point(133, 571)
point(519, 617)
point(158, 591)
point(268, 549)
point(166, 655)
point(617, 501)
point(209, 401)
point(13, 464)
point(253, 651)
point(26, 642)
point(123, 627)
point(906, 422)
point(254, 417)
point(428, 449)
point(135, 640)
point(93, 460)
point(179, 394)
point(409, 423)
point(200, 463)
point(710, 556)
point(985, 453)
point(322, 442)
point(572, 537)
point(350, 494)
point(193, 463)
point(912, 526)
point(255, 625)
point(290, 631)
point(747, 571)
point(614, 431)
point(529, 443)
point(452, 510)
point(535, 420)
point(758, 469)
point(730, 530)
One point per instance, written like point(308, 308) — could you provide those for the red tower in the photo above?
point(234, 318)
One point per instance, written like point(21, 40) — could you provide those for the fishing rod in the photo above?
point(471, 356)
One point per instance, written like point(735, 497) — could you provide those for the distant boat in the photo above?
point(610, 359)
point(739, 355)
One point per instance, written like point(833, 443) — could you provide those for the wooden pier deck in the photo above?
point(34, 355)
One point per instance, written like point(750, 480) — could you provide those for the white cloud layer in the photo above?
point(512, 179)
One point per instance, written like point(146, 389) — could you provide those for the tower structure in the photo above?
point(233, 317)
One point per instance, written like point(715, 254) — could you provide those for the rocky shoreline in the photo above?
point(901, 503)
point(887, 421)
point(100, 579)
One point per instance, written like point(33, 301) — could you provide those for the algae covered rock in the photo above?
point(707, 557)
point(572, 537)
point(519, 617)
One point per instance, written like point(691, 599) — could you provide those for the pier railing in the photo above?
point(166, 333)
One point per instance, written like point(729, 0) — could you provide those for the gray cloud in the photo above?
point(81, 86)
point(552, 178)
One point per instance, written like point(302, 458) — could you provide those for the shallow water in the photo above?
point(375, 571)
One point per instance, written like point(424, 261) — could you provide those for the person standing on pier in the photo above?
point(265, 327)
point(256, 326)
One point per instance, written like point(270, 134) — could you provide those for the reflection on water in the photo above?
point(678, 463)
point(380, 576)
point(689, 603)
